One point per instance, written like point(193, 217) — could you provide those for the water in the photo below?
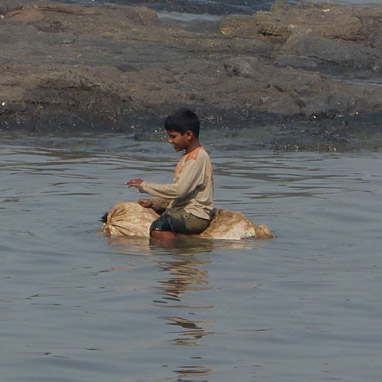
point(77, 306)
point(253, 3)
point(363, 3)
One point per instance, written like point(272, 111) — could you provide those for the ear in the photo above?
point(190, 135)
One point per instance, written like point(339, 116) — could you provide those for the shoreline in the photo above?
point(292, 82)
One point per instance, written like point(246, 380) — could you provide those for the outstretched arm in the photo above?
point(183, 185)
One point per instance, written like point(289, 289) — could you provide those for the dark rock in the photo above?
point(298, 62)
point(284, 77)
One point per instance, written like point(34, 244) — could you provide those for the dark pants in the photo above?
point(180, 222)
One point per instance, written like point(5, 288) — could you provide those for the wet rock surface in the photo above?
point(304, 76)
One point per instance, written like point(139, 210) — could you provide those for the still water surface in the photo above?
point(77, 306)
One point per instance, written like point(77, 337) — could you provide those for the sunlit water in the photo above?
point(77, 306)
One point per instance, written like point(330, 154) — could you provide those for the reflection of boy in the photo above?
point(188, 200)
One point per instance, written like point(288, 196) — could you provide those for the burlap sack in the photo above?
point(230, 225)
point(131, 219)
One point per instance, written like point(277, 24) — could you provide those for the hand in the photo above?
point(134, 183)
point(147, 203)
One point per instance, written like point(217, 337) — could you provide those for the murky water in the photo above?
point(77, 306)
point(363, 3)
point(366, 3)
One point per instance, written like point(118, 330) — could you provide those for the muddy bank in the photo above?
point(296, 77)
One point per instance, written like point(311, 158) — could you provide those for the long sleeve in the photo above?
point(159, 205)
point(192, 187)
point(182, 185)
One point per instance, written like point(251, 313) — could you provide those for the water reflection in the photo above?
point(187, 372)
point(185, 278)
point(129, 245)
point(184, 281)
point(186, 275)
point(183, 295)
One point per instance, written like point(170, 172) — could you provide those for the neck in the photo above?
point(192, 146)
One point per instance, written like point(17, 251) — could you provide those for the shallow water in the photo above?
point(363, 3)
point(77, 306)
point(366, 3)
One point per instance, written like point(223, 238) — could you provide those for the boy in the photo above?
point(189, 198)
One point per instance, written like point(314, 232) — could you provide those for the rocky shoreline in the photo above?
point(305, 76)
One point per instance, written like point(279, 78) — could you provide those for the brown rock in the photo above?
point(121, 68)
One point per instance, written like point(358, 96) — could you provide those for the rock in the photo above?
point(297, 61)
point(95, 68)
point(340, 34)
point(292, 91)
point(345, 54)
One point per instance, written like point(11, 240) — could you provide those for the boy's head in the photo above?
point(182, 121)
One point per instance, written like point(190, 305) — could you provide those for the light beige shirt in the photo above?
point(192, 187)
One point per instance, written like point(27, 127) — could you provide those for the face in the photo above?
point(179, 141)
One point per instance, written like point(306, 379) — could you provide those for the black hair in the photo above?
point(183, 120)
